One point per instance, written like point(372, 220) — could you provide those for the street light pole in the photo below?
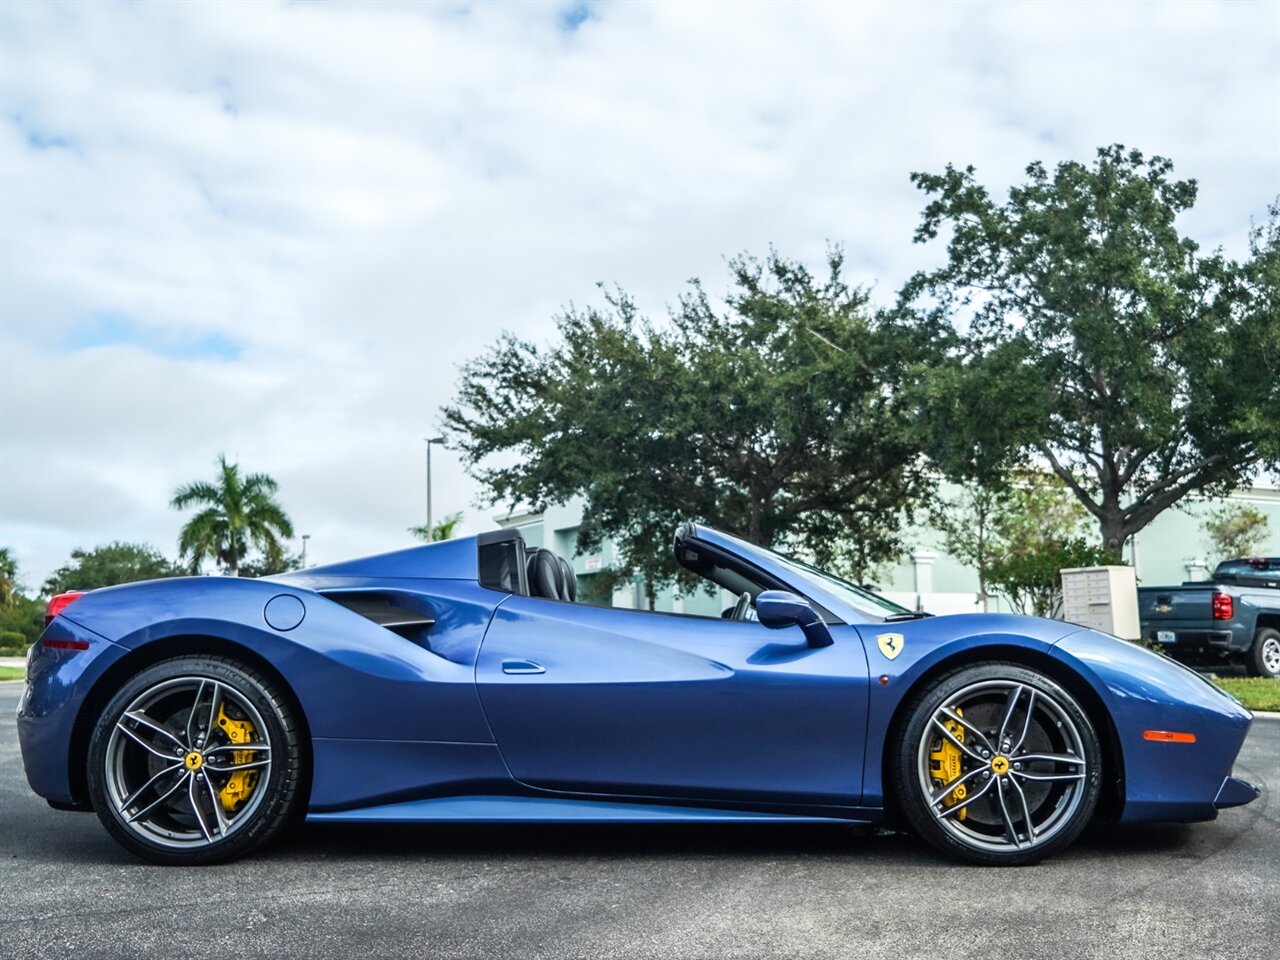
point(430, 440)
point(305, 538)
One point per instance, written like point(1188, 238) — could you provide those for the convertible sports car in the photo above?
point(461, 681)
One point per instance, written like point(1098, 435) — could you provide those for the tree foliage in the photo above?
point(108, 565)
point(266, 566)
point(1260, 281)
point(1013, 534)
point(8, 578)
point(21, 617)
point(1235, 530)
point(966, 521)
point(444, 530)
point(775, 415)
point(240, 512)
point(1032, 578)
point(1097, 339)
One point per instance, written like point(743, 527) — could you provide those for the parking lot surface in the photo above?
point(1179, 891)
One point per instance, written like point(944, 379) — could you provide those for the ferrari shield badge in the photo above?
point(890, 644)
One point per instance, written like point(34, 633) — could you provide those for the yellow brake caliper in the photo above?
point(241, 783)
point(944, 764)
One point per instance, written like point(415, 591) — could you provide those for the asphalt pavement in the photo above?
point(1178, 891)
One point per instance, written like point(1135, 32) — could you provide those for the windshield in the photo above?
point(778, 570)
point(864, 601)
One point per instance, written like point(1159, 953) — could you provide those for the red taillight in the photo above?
point(1223, 608)
point(59, 603)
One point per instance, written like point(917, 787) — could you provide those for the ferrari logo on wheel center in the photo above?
point(999, 765)
point(193, 761)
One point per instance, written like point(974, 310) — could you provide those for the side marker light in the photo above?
point(1168, 736)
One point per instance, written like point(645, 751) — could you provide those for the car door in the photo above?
point(625, 702)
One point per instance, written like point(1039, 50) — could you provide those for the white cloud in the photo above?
point(362, 196)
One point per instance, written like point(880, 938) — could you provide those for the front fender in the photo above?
point(1144, 691)
point(927, 646)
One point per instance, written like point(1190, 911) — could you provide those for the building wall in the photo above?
point(1172, 549)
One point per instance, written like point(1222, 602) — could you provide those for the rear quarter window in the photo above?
point(1260, 570)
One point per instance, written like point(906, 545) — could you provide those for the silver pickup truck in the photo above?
point(1234, 616)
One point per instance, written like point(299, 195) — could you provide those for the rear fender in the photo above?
point(352, 677)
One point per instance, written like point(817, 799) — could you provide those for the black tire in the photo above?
point(156, 756)
point(1263, 658)
point(1001, 810)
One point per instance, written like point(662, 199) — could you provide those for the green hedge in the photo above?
point(13, 643)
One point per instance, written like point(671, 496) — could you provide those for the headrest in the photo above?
point(570, 591)
point(546, 579)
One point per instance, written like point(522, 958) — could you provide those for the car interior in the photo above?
point(507, 564)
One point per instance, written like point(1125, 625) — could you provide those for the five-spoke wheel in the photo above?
point(998, 764)
point(195, 760)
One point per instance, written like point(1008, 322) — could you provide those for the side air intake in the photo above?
point(384, 611)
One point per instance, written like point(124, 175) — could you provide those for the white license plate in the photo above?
point(1166, 636)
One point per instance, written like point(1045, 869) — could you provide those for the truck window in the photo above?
point(1254, 570)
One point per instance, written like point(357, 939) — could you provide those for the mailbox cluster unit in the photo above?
point(1102, 598)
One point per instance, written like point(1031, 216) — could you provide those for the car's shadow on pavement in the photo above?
point(1133, 838)
point(620, 841)
point(629, 841)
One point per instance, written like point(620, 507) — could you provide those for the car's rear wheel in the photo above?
point(997, 764)
point(195, 760)
point(1263, 659)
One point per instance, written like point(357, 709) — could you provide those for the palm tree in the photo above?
point(239, 512)
point(444, 530)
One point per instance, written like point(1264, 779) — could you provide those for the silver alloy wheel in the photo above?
point(1271, 655)
point(1022, 766)
point(167, 762)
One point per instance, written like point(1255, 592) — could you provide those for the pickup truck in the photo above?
point(1234, 616)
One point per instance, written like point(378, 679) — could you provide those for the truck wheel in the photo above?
point(1264, 657)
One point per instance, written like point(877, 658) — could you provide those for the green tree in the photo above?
point(265, 566)
point(1031, 579)
point(1036, 508)
point(107, 565)
point(239, 512)
point(1012, 534)
point(21, 617)
point(966, 522)
point(8, 578)
point(1098, 339)
point(444, 530)
point(1260, 312)
point(1235, 530)
point(776, 415)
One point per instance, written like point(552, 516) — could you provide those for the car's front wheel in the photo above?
point(1263, 658)
point(997, 764)
point(195, 760)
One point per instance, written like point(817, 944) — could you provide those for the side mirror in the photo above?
point(778, 608)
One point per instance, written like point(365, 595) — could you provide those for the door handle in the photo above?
point(521, 666)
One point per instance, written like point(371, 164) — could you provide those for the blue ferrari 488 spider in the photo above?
point(461, 681)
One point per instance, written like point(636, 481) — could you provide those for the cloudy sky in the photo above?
point(275, 230)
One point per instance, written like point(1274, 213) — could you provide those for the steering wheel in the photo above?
point(742, 607)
